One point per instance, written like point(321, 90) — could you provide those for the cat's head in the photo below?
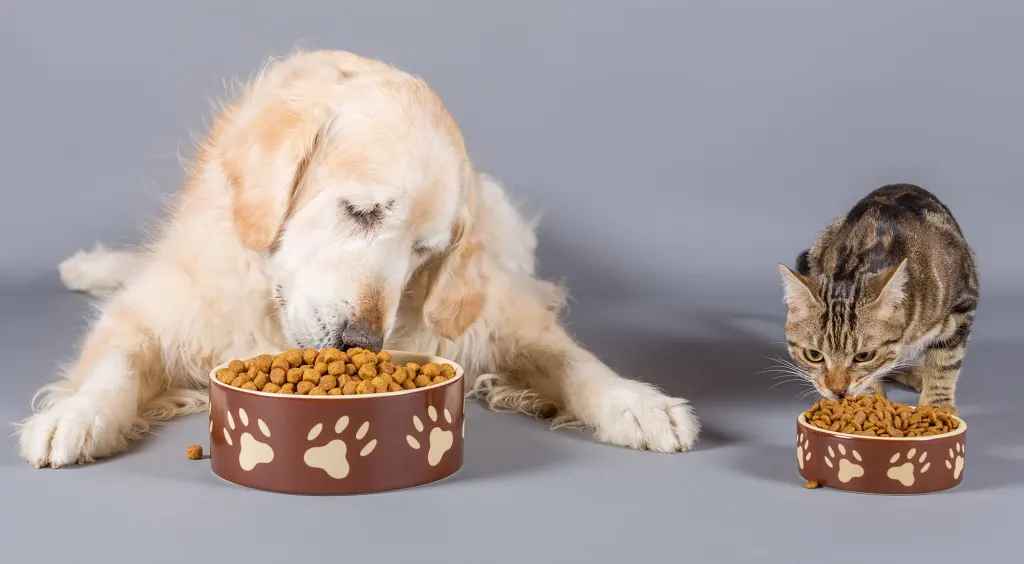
point(845, 334)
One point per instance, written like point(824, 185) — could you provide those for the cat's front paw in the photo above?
point(638, 416)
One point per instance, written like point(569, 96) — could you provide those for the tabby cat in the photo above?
point(888, 290)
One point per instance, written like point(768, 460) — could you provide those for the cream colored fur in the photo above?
point(268, 246)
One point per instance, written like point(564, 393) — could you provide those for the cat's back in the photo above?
point(892, 223)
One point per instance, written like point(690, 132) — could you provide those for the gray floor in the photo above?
point(527, 494)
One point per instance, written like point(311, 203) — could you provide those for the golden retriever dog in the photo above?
point(333, 203)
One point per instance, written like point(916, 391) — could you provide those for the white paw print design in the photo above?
point(803, 452)
point(907, 472)
point(332, 457)
point(440, 440)
point(847, 469)
point(251, 452)
point(955, 460)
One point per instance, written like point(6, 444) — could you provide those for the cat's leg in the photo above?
point(940, 365)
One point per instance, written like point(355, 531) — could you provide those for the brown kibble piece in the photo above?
point(334, 391)
point(236, 366)
point(394, 387)
point(194, 452)
point(320, 367)
point(349, 388)
point(271, 388)
point(309, 356)
point(248, 386)
point(295, 375)
point(412, 368)
point(367, 371)
point(263, 362)
point(431, 370)
point(317, 391)
point(399, 375)
point(448, 371)
point(278, 375)
point(304, 387)
point(328, 382)
point(422, 380)
point(237, 382)
point(811, 485)
point(336, 368)
point(227, 376)
point(310, 375)
point(288, 388)
point(261, 380)
point(409, 384)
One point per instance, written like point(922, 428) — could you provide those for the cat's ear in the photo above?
point(799, 297)
point(889, 288)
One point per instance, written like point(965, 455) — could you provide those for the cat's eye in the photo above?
point(813, 355)
point(865, 356)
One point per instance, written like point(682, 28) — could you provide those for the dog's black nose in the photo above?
point(360, 335)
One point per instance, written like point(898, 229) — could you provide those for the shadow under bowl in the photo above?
point(883, 465)
point(338, 444)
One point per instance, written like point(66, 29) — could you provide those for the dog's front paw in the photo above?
point(74, 430)
point(638, 416)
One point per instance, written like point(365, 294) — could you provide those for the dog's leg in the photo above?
point(95, 410)
point(99, 272)
point(540, 365)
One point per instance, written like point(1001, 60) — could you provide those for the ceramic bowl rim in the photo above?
point(961, 429)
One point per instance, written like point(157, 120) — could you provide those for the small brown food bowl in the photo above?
point(883, 465)
point(338, 444)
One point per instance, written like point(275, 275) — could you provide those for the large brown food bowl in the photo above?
point(885, 465)
point(338, 444)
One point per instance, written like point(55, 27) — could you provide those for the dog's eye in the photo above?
point(364, 217)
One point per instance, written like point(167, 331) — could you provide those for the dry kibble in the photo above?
point(194, 452)
point(278, 375)
point(876, 416)
point(399, 375)
point(294, 357)
point(263, 362)
point(227, 376)
point(811, 484)
point(328, 382)
point(367, 371)
point(311, 375)
point(309, 356)
point(261, 380)
point(280, 362)
point(331, 371)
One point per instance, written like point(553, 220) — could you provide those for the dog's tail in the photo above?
point(99, 272)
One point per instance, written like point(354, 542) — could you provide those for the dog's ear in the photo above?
point(265, 160)
point(457, 293)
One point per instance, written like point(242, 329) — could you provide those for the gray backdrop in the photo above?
point(677, 152)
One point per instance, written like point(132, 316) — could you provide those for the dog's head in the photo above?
point(348, 197)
